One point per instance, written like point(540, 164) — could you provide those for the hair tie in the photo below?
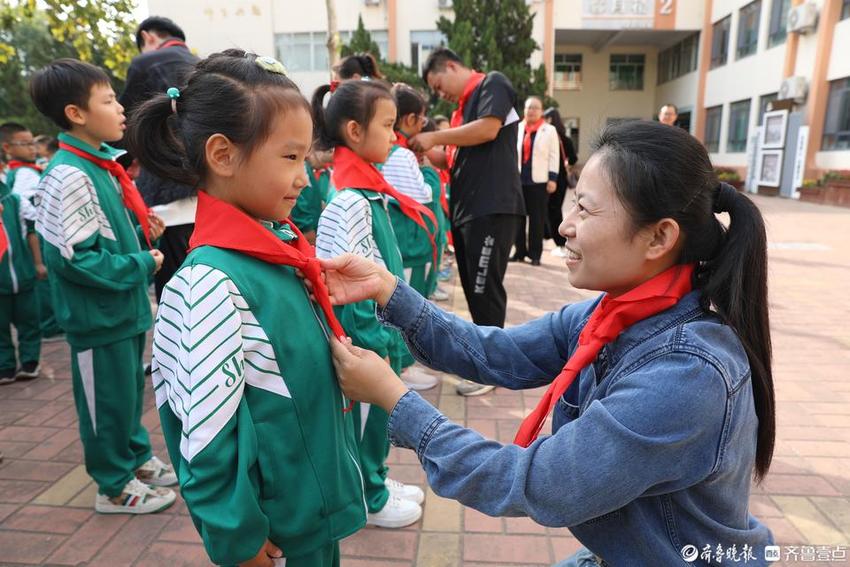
point(334, 86)
point(173, 93)
point(724, 197)
point(270, 64)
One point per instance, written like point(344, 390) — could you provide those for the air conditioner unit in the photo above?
point(803, 18)
point(372, 2)
point(795, 88)
point(444, 4)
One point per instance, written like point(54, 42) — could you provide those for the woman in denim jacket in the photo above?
point(655, 443)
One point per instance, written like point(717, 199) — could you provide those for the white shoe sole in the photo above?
point(420, 387)
point(111, 508)
point(394, 523)
point(479, 392)
point(164, 482)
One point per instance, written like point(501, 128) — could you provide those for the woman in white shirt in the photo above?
point(539, 155)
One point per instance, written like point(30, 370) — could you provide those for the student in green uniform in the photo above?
point(98, 239)
point(251, 411)
point(19, 267)
point(432, 178)
point(358, 125)
point(311, 201)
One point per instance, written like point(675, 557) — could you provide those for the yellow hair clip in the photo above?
point(271, 64)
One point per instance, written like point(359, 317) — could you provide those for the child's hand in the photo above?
point(41, 271)
point(351, 278)
point(157, 225)
point(157, 258)
point(265, 557)
point(366, 377)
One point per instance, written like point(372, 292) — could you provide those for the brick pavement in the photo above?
point(46, 515)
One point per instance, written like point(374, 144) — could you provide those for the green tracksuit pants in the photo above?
point(21, 310)
point(109, 384)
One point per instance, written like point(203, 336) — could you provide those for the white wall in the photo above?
point(839, 61)
point(594, 104)
point(417, 15)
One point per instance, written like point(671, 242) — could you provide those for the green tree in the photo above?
point(495, 35)
point(361, 42)
point(27, 43)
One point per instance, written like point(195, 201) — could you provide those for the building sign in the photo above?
point(621, 14)
point(800, 157)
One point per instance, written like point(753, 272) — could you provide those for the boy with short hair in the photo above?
point(20, 264)
point(97, 240)
point(23, 174)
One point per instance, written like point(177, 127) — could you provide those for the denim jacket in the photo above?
point(653, 446)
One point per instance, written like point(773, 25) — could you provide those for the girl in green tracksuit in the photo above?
point(262, 438)
point(358, 124)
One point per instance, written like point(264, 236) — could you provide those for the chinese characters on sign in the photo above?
point(619, 14)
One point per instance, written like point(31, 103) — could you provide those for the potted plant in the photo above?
point(836, 188)
point(730, 176)
point(811, 191)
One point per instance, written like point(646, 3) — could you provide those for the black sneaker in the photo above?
point(7, 376)
point(28, 371)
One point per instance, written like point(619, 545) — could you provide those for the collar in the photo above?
point(104, 152)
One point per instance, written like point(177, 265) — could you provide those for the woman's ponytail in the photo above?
point(152, 140)
point(734, 282)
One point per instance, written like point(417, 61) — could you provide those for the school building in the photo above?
point(724, 63)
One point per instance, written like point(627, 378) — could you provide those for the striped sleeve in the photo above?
point(401, 170)
point(346, 226)
point(69, 211)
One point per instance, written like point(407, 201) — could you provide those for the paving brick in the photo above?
point(440, 514)
point(523, 526)
point(28, 548)
point(527, 550)
point(837, 510)
point(175, 555)
point(180, 529)
point(65, 488)
point(131, 541)
point(53, 446)
point(48, 519)
point(19, 433)
point(89, 539)
point(475, 521)
point(813, 525)
point(34, 470)
point(438, 550)
point(486, 427)
point(378, 543)
point(801, 484)
point(20, 491)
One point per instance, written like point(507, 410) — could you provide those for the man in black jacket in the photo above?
point(164, 61)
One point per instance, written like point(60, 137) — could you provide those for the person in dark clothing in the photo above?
point(164, 62)
point(556, 199)
point(486, 195)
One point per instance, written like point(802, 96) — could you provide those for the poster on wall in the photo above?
point(800, 158)
point(770, 168)
point(773, 131)
point(753, 149)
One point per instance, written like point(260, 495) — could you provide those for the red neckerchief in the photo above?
point(401, 140)
point(172, 43)
point(457, 115)
point(351, 171)
point(334, 85)
point(4, 242)
point(222, 225)
point(16, 164)
point(610, 318)
point(526, 139)
point(129, 194)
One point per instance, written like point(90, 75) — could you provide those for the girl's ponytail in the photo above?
point(322, 139)
point(152, 140)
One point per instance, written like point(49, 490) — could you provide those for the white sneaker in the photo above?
point(559, 252)
point(136, 498)
point(440, 295)
point(417, 379)
point(156, 473)
point(405, 491)
point(397, 513)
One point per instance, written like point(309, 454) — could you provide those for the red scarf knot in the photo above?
point(457, 116)
point(526, 139)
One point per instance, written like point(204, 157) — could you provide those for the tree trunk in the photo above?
point(333, 36)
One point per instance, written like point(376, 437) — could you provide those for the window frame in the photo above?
point(837, 140)
point(736, 145)
point(638, 66)
point(569, 84)
point(720, 51)
point(753, 11)
point(713, 145)
point(777, 26)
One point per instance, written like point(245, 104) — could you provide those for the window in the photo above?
point(720, 42)
point(845, 9)
point(678, 60)
point(308, 51)
point(778, 20)
point(626, 72)
point(836, 128)
point(739, 122)
point(748, 29)
point(764, 102)
point(422, 43)
point(713, 116)
point(568, 71)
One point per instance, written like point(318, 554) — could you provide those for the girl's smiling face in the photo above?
point(605, 251)
point(374, 141)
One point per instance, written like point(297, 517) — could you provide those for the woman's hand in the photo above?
point(351, 278)
point(157, 225)
point(366, 377)
point(265, 557)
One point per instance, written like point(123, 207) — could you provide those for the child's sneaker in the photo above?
point(156, 473)
point(440, 295)
point(396, 513)
point(405, 491)
point(7, 376)
point(445, 274)
point(136, 498)
point(415, 378)
point(28, 371)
